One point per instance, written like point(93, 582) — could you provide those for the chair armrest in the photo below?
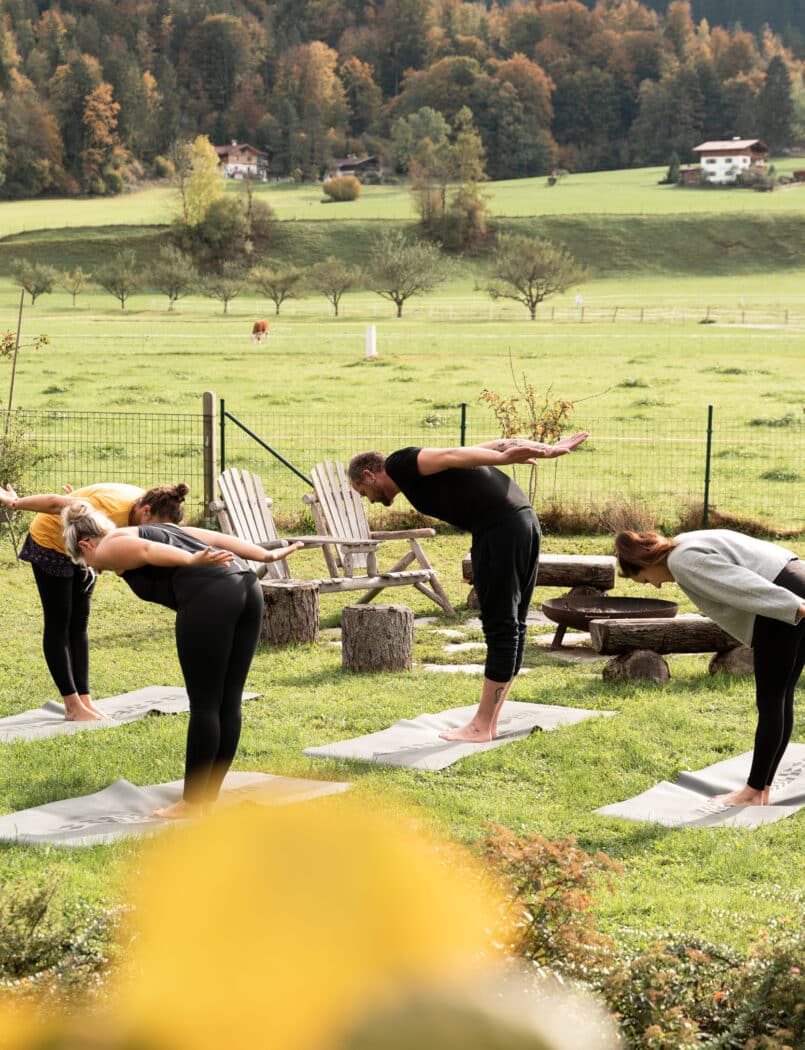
point(355, 544)
point(403, 534)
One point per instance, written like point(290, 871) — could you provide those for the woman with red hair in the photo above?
point(755, 591)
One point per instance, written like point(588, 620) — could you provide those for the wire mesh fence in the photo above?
point(753, 471)
point(82, 448)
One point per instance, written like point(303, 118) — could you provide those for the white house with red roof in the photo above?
point(239, 160)
point(723, 161)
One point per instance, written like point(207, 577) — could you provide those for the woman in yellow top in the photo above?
point(65, 590)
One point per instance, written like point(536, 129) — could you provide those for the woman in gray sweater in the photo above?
point(755, 591)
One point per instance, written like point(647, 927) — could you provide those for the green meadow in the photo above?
point(641, 367)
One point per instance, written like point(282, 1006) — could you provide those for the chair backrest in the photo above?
point(246, 513)
point(339, 504)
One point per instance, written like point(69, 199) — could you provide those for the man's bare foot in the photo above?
point(471, 733)
point(180, 810)
point(745, 796)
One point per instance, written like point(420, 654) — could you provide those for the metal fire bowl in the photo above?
point(577, 611)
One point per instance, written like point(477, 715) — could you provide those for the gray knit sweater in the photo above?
point(728, 577)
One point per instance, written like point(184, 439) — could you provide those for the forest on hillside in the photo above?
point(93, 93)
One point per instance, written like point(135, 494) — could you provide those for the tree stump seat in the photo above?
point(377, 638)
point(290, 611)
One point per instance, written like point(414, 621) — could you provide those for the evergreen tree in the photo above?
point(776, 106)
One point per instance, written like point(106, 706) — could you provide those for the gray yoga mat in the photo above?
point(415, 742)
point(123, 809)
point(685, 802)
point(48, 720)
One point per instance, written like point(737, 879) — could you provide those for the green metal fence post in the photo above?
point(463, 423)
point(707, 458)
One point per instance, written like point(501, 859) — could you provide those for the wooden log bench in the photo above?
point(636, 646)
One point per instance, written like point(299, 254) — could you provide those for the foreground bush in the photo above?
point(678, 993)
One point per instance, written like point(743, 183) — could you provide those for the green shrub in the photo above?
point(49, 951)
point(343, 188)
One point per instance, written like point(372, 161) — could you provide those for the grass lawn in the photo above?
point(718, 884)
point(632, 191)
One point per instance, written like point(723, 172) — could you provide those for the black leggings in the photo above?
point(504, 572)
point(65, 603)
point(216, 637)
point(779, 658)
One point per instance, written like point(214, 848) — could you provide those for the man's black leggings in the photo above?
point(504, 572)
point(65, 604)
point(779, 658)
point(216, 637)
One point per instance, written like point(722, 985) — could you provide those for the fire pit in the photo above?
point(576, 610)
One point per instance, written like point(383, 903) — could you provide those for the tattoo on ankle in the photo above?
point(499, 695)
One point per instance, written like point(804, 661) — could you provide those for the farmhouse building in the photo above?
point(723, 162)
point(239, 160)
point(353, 165)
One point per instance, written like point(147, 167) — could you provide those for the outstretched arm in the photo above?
point(242, 548)
point(498, 453)
point(123, 549)
point(50, 503)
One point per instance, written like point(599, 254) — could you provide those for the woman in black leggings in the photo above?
point(65, 591)
point(219, 607)
point(755, 591)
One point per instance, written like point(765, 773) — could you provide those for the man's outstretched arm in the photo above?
point(498, 453)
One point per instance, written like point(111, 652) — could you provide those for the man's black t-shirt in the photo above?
point(470, 498)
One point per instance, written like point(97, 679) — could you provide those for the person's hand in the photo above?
point(572, 440)
point(745, 796)
point(68, 488)
point(7, 496)
point(524, 451)
point(209, 556)
point(282, 552)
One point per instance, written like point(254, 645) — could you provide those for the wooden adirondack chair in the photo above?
point(245, 511)
point(338, 511)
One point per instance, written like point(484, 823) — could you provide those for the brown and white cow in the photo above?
point(259, 331)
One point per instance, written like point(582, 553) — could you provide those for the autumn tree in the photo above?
point(35, 278)
point(121, 276)
point(74, 281)
point(332, 277)
point(308, 86)
point(204, 184)
point(529, 269)
point(278, 283)
point(182, 164)
point(399, 269)
point(33, 146)
point(173, 273)
point(100, 122)
point(363, 96)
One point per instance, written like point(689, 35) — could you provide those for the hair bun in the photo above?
point(76, 510)
point(180, 490)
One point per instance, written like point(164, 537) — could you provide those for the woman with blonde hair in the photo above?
point(219, 608)
point(755, 591)
point(66, 591)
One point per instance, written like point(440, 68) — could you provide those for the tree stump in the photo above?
point(377, 638)
point(290, 611)
point(640, 665)
point(738, 661)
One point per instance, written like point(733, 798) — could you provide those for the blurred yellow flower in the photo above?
point(278, 927)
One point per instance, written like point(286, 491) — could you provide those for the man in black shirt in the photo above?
point(463, 487)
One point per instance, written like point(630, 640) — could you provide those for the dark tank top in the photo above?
point(176, 586)
point(470, 498)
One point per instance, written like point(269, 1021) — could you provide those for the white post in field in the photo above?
point(371, 343)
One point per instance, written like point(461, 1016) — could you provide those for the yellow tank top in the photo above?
point(115, 501)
